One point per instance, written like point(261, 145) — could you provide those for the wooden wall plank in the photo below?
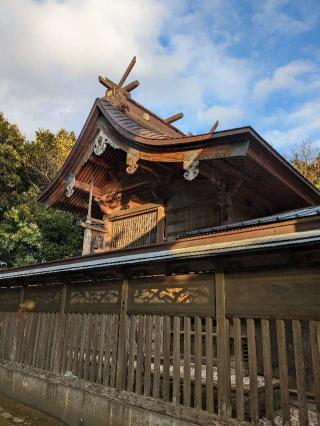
point(224, 404)
point(84, 328)
point(209, 366)
point(238, 368)
point(198, 363)
point(147, 351)
point(300, 372)
point(132, 353)
point(176, 361)
point(114, 357)
point(102, 337)
point(252, 350)
point(157, 357)
point(267, 369)
point(88, 344)
point(166, 358)
point(315, 356)
point(140, 354)
point(107, 351)
point(283, 371)
point(187, 362)
point(94, 351)
point(123, 336)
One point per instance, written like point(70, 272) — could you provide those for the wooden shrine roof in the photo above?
point(121, 131)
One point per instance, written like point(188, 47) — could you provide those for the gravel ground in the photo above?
point(14, 413)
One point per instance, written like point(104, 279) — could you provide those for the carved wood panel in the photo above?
point(42, 299)
point(102, 297)
point(180, 293)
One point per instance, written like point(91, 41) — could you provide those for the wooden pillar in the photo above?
point(86, 246)
point(224, 405)
point(122, 341)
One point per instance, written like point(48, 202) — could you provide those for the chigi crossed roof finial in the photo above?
point(116, 92)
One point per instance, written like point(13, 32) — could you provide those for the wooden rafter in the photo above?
point(131, 86)
point(174, 118)
point(127, 71)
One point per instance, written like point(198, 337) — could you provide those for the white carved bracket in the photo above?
point(101, 141)
point(69, 183)
point(132, 160)
point(190, 165)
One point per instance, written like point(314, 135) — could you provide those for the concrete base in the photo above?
point(77, 402)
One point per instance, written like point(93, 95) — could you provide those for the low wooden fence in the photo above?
point(242, 345)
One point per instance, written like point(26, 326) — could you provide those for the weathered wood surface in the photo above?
point(183, 358)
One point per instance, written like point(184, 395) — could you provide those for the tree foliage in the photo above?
point(306, 159)
point(28, 231)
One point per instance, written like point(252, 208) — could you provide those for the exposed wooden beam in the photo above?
point(127, 71)
point(86, 187)
point(213, 128)
point(174, 118)
point(131, 86)
point(117, 189)
point(98, 161)
point(89, 214)
point(106, 82)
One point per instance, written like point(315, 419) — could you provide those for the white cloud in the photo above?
point(296, 126)
point(272, 18)
point(284, 78)
point(227, 116)
point(53, 51)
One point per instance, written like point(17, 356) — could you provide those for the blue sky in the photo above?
point(250, 62)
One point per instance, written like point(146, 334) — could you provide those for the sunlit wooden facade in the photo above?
point(139, 180)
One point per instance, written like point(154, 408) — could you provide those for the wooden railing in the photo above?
point(178, 340)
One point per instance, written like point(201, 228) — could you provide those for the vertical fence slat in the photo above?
point(84, 328)
point(41, 339)
point(300, 372)
point(54, 341)
point(72, 319)
point(36, 343)
point(86, 369)
point(238, 368)
point(115, 334)
point(157, 354)
point(50, 331)
point(123, 336)
point(187, 362)
point(224, 404)
point(254, 402)
point(148, 347)
point(166, 358)
point(197, 366)
point(140, 355)
point(20, 337)
point(77, 339)
point(209, 366)
point(132, 353)
point(315, 356)
point(102, 337)
point(267, 370)
point(107, 352)
point(95, 335)
point(176, 361)
point(283, 371)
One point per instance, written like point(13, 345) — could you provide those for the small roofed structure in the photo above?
point(141, 181)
